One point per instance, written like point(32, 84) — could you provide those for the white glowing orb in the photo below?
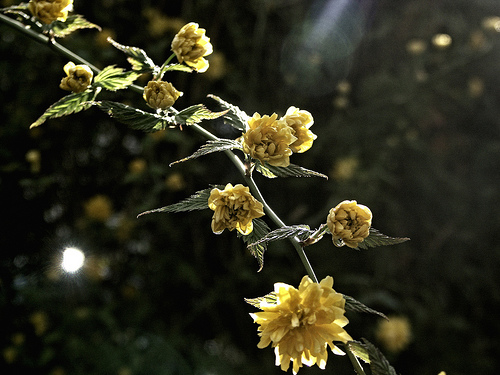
point(72, 259)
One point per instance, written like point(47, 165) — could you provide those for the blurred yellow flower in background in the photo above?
point(48, 11)
point(349, 223)
point(79, 77)
point(345, 168)
point(394, 334)
point(235, 208)
point(300, 121)
point(159, 24)
point(40, 322)
point(268, 140)
point(160, 94)
point(190, 45)
point(98, 208)
point(302, 323)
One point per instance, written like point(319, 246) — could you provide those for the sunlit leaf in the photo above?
point(72, 23)
point(379, 365)
point(234, 115)
point(113, 78)
point(292, 170)
point(260, 229)
point(375, 238)
point(270, 298)
point(351, 304)
point(195, 114)
point(133, 117)
point(212, 146)
point(67, 105)
point(137, 57)
point(301, 231)
point(358, 350)
point(197, 201)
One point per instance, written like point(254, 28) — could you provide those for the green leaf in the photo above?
point(212, 146)
point(137, 57)
point(301, 231)
point(375, 238)
point(352, 304)
point(234, 116)
point(358, 350)
point(260, 229)
point(197, 201)
point(133, 117)
point(195, 114)
point(270, 298)
point(292, 170)
point(67, 105)
point(176, 67)
point(72, 23)
point(112, 78)
point(379, 365)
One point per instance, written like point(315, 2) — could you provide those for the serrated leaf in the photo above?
point(72, 23)
point(133, 117)
point(197, 201)
point(270, 298)
point(234, 116)
point(352, 304)
point(210, 147)
point(176, 67)
point(113, 78)
point(301, 231)
point(137, 57)
point(260, 229)
point(358, 350)
point(292, 170)
point(195, 114)
point(72, 103)
point(375, 238)
point(379, 365)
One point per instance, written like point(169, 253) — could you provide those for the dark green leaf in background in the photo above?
point(379, 365)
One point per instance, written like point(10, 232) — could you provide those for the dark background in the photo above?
point(407, 127)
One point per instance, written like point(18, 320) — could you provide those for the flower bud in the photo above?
point(190, 45)
point(349, 223)
point(160, 94)
point(79, 77)
point(48, 11)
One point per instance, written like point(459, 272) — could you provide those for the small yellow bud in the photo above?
point(79, 77)
point(160, 94)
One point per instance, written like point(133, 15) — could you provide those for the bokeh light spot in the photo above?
point(72, 259)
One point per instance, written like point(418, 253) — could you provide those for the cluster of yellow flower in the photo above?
point(48, 11)
point(299, 323)
point(272, 140)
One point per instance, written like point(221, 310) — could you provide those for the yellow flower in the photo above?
point(160, 94)
point(268, 140)
point(349, 223)
point(98, 208)
point(79, 77)
point(394, 334)
point(235, 208)
point(190, 45)
point(300, 121)
point(48, 11)
point(302, 323)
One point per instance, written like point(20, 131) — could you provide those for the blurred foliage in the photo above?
point(407, 124)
